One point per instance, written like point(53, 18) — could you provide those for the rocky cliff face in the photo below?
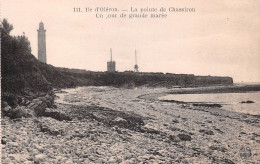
point(26, 82)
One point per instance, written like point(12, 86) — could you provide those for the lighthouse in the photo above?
point(42, 43)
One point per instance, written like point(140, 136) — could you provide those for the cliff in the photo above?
point(24, 78)
point(132, 79)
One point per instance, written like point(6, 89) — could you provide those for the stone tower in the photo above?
point(111, 65)
point(42, 43)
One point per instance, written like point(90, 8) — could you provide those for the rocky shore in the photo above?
point(113, 125)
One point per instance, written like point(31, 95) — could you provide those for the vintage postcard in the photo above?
point(133, 81)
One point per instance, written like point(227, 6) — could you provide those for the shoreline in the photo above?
point(115, 125)
point(218, 89)
point(168, 96)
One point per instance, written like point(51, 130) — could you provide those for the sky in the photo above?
point(222, 38)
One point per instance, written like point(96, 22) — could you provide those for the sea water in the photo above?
point(229, 101)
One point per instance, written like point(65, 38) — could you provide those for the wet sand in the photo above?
point(112, 125)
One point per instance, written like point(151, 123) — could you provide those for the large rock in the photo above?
point(5, 108)
point(18, 112)
point(11, 100)
point(48, 99)
point(38, 106)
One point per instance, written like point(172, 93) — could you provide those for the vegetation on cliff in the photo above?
point(24, 77)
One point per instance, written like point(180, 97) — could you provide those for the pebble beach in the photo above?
point(118, 125)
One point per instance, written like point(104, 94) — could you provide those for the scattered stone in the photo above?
point(208, 132)
point(173, 138)
point(245, 152)
point(70, 161)
point(175, 129)
point(51, 126)
point(119, 119)
point(256, 135)
point(13, 144)
point(58, 115)
point(40, 158)
point(3, 141)
point(218, 148)
point(175, 121)
point(105, 135)
point(184, 119)
point(112, 159)
point(225, 160)
point(184, 137)
point(218, 130)
point(39, 148)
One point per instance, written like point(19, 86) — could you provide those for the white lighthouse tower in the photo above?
point(42, 43)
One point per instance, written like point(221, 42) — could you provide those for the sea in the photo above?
point(229, 101)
